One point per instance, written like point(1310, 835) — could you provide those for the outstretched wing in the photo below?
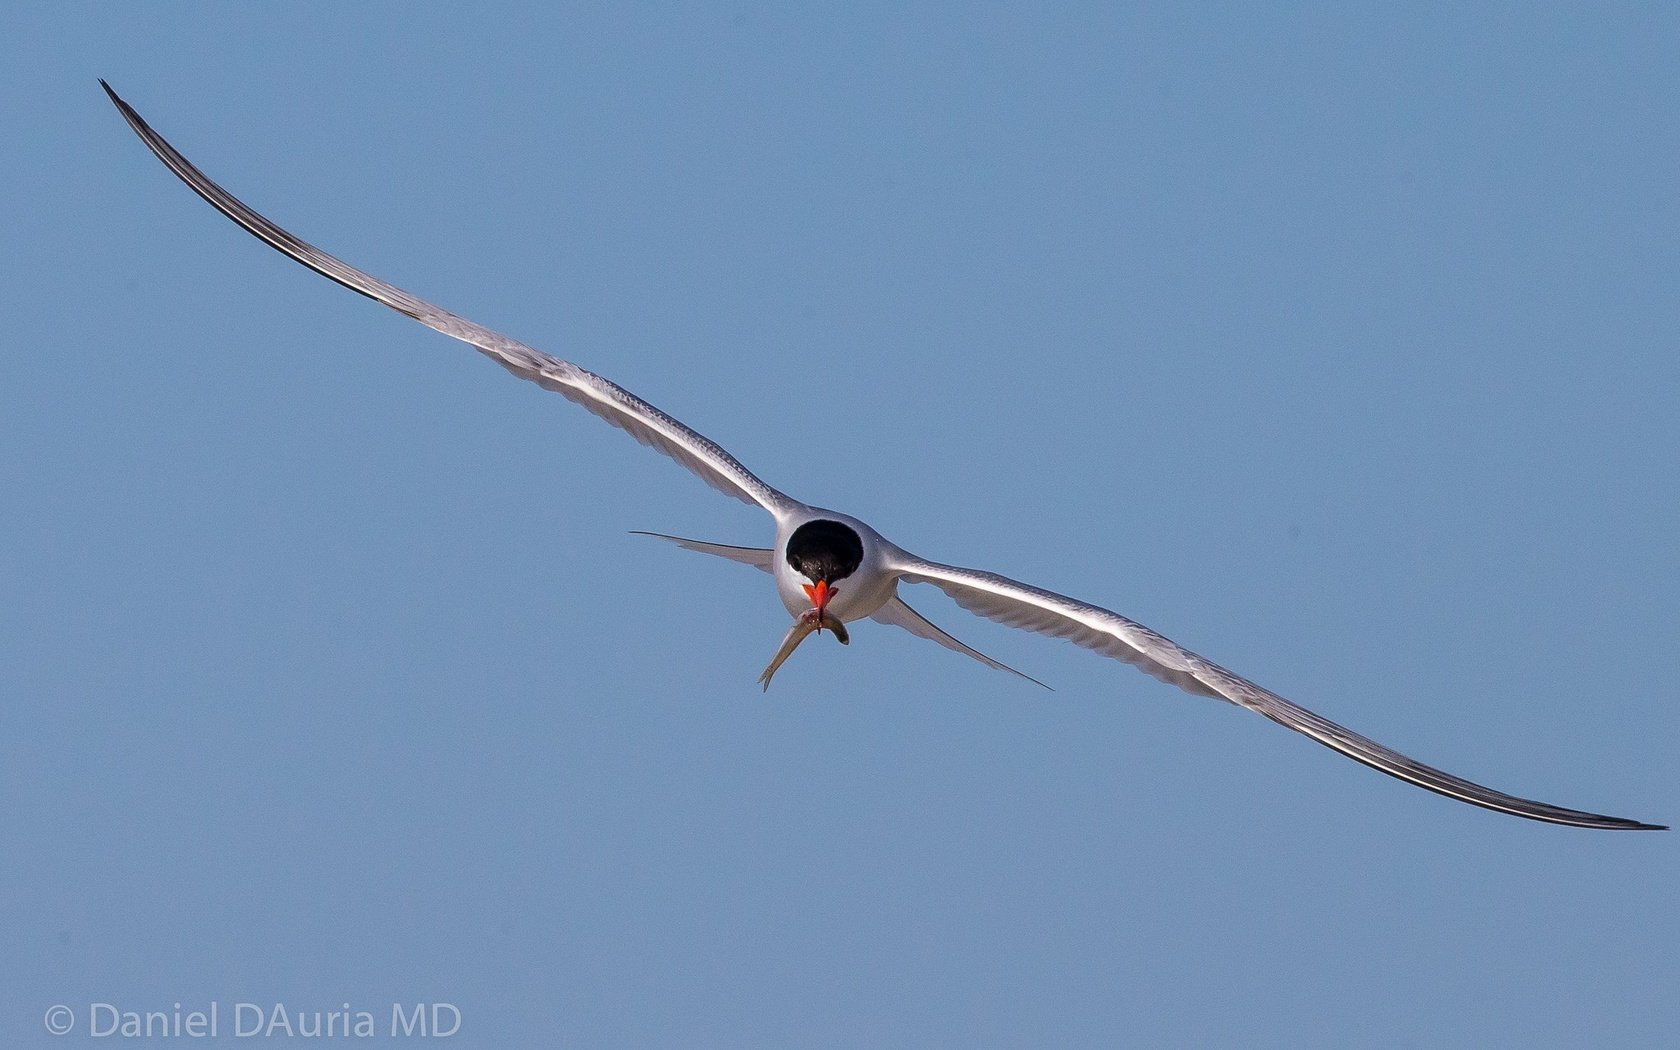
point(1034, 609)
point(606, 399)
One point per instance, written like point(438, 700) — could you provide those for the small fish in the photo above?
point(810, 622)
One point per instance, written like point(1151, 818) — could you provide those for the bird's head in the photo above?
point(824, 552)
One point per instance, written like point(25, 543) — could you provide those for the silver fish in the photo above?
point(802, 628)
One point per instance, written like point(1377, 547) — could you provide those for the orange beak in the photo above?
point(820, 594)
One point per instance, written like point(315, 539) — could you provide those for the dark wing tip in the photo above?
point(115, 98)
point(125, 109)
point(1030, 678)
point(1595, 821)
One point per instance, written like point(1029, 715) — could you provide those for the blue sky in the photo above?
point(1338, 345)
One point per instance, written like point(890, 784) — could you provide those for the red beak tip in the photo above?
point(820, 594)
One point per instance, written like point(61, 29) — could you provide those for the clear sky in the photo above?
point(1338, 346)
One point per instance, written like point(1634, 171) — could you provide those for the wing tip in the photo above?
point(133, 118)
point(111, 94)
point(1548, 814)
point(1034, 681)
point(1590, 821)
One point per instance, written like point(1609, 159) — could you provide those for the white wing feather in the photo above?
point(1034, 609)
point(603, 397)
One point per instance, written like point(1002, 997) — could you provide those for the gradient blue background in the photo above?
point(1339, 346)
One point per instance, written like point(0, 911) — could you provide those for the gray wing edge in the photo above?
point(606, 399)
point(1022, 605)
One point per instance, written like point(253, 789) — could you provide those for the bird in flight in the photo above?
point(830, 569)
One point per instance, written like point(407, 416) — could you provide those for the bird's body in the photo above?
point(831, 569)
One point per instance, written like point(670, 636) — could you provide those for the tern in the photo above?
point(830, 569)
